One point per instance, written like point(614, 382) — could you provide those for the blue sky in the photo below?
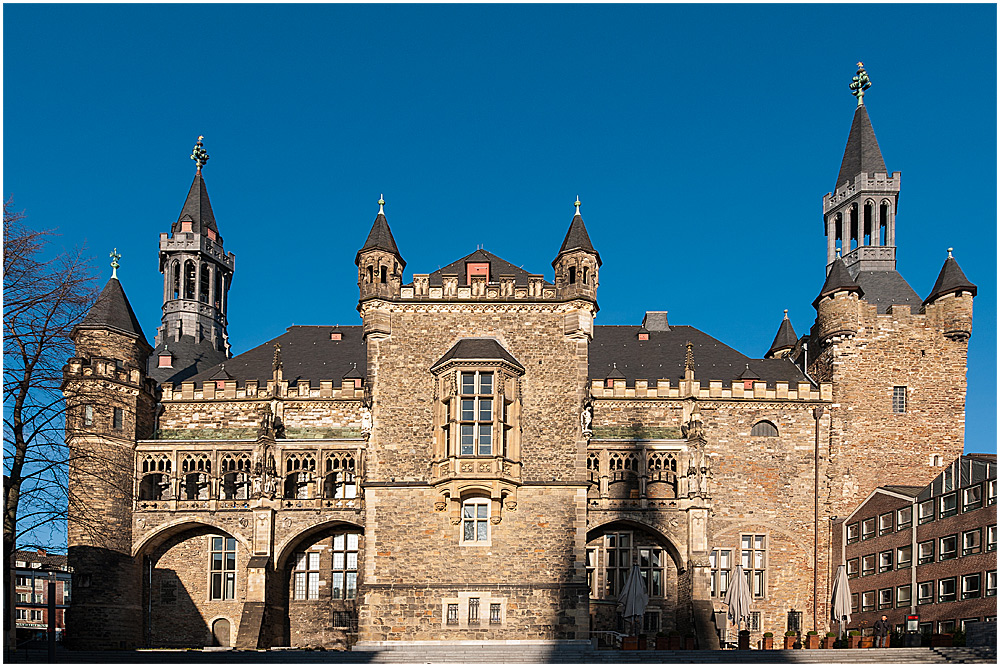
point(700, 138)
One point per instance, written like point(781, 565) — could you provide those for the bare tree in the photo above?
point(44, 296)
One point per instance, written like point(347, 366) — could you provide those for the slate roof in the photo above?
point(197, 208)
point(307, 353)
point(839, 279)
point(662, 357)
point(380, 238)
point(886, 288)
point(785, 338)
point(951, 279)
point(498, 267)
point(577, 238)
point(113, 311)
point(198, 357)
point(862, 153)
point(471, 349)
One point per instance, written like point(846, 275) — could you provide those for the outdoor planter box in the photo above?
point(674, 643)
point(662, 643)
point(630, 643)
point(812, 641)
point(689, 643)
point(868, 642)
point(790, 642)
point(854, 641)
point(940, 640)
point(767, 643)
point(828, 642)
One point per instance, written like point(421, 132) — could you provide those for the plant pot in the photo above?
point(812, 641)
point(689, 643)
point(767, 643)
point(828, 642)
point(662, 644)
point(854, 641)
point(790, 643)
point(674, 643)
point(867, 642)
point(630, 643)
point(938, 640)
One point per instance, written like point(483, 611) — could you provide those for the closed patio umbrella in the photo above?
point(634, 597)
point(840, 603)
point(739, 598)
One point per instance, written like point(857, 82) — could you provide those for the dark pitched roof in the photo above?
point(471, 349)
point(189, 359)
point(616, 347)
point(307, 353)
point(886, 288)
point(785, 338)
point(380, 238)
point(862, 153)
point(747, 374)
point(353, 372)
point(221, 373)
point(838, 280)
point(498, 267)
point(197, 208)
point(113, 311)
point(48, 560)
point(577, 238)
point(951, 279)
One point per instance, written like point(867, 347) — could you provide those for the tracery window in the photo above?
point(155, 478)
point(235, 477)
point(340, 480)
point(299, 470)
point(764, 429)
point(196, 482)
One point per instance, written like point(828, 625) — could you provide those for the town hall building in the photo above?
point(477, 459)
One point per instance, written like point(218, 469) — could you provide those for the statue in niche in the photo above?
point(587, 419)
point(366, 421)
point(262, 467)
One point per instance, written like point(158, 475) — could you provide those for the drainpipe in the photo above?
point(817, 414)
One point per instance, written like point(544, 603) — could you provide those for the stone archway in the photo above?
point(221, 632)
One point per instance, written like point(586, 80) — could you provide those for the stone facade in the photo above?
point(478, 461)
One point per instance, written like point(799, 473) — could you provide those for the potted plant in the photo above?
point(674, 641)
point(812, 639)
point(830, 640)
point(630, 643)
point(661, 642)
point(767, 643)
point(940, 639)
point(790, 638)
point(689, 642)
point(853, 639)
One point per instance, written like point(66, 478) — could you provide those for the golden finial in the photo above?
point(860, 83)
point(199, 154)
point(115, 257)
point(381, 203)
point(577, 204)
point(786, 313)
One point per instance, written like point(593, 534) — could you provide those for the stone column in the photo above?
point(831, 238)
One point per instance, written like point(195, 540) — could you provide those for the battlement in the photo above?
point(737, 389)
point(479, 289)
point(877, 183)
point(210, 245)
point(105, 368)
point(844, 315)
point(227, 390)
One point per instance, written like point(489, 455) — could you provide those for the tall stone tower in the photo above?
point(577, 262)
point(197, 273)
point(110, 404)
point(897, 363)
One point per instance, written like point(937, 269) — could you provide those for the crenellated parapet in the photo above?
point(227, 390)
point(678, 389)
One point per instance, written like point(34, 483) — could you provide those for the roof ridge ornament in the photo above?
point(577, 204)
point(115, 256)
point(949, 251)
point(689, 357)
point(786, 313)
point(860, 83)
point(381, 204)
point(199, 154)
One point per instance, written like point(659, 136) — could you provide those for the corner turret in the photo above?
point(951, 300)
point(380, 266)
point(784, 340)
point(577, 264)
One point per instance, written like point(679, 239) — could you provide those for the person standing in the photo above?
point(881, 632)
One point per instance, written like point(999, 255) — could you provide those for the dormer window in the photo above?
point(166, 361)
point(186, 226)
point(336, 335)
point(210, 233)
point(477, 269)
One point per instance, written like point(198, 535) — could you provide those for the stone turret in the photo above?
point(380, 274)
point(950, 301)
point(837, 304)
point(576, 266)
point(197, 273)
point(784, 340)
point(110, 404)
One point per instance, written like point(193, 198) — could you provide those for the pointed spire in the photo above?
point(838, 280)
point(951, 279)
point(112, 310)
point(380, 236)
point(785, 339)
point(862, 153)
point(197, 208)
point(577, 237)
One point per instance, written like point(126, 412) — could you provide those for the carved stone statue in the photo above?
point(587, 419)
point(366, 421)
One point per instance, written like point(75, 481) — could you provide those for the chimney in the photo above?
point(656, 320)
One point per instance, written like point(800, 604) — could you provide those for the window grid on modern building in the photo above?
point(223, 568)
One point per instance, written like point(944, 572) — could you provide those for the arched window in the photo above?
point(203, 286)
point(883, 223)
point(764, 429)
point(298, 473)
point(371, 273)
point(586, 274)
point(175, 271)
point(339, 481)
point(189, 279)
point(219, 277)
point(235, 477)
point(196, 471)
point(869, 222)
point(852, 241)
point(838, 230)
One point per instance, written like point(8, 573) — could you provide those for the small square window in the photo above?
point(949, 547)
point(971, 586)
point(904, 518)
point(885, 523)
point(868, 529)
point(904, 557)
point(972, 498)
point(885, 598)
point(947, 589)
point(925, 512)
point(453, 613)
point(991, 584)
point(885, 561)
point(991, 492)
point(971, 542)
point(868, 565)
point(852, 533)
point(925, 552)
point(868, 601)
point(991, 538)
point(852, 568)
point(946, 627)
point(903, 596)
point(949, 505)
point(899, 400)
point(925, 592)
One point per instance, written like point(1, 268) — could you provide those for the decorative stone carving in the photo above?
point(484, 467)
point(366, 421)
point(511, 505)
point(587, 419)
point(440, 506)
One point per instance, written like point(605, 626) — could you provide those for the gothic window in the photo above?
point(305, 578)
point(222, 567)
point(618, 554)
point(753, 557)
point(764, 429)
point(572, 275)
point(189, 276)
point(899, 400)
point(155, 481)
point(203, 283)
point(219, 277)
point(624, 469)
point(340, 481)
point(299, 469)
point(586, 274)
point(476, 521)
point(88, 415)
point(883, 222)
point(235, 477)
point(195, 472)
point(175, 279)
point(476, 425)
point(344, 567)
point(869, 222)
point(118, 419)
point(661, 469)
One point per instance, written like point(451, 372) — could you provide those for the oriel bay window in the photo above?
point(476, 414)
